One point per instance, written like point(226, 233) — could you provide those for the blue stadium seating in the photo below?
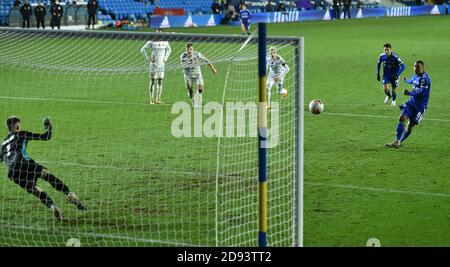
point(126, 9)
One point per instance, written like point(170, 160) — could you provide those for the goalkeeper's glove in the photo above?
point(378, 77)
point(47, 123)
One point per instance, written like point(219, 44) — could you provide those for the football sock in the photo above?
point(400, 130)
point(388, 93)
point(58, 184)
point(191, 96)
point(151, 89)
point(394, 96)
point(159, 89)
point(199, 98)
point(45, 199)
point(405, 135)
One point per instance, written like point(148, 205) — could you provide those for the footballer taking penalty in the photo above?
point(413, 109)
point(24, 171)
point(160, 53)
point(393, 66)
point(190, 62)
point(277, 71)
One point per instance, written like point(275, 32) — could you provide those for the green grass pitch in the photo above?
point(355, 188)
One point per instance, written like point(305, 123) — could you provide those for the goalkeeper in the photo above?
point(24, 171)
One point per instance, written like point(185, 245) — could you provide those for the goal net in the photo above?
point(149, 174)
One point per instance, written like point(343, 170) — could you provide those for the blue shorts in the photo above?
point(246, 24)
point(412, 113)
point(389, 79)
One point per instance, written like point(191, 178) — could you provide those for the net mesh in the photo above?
point(142, 185)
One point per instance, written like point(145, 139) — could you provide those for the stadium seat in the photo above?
point(123, 9)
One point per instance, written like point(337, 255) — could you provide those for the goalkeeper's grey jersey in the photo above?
point(191, 64)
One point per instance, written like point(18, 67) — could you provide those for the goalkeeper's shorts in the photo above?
point(25, 173)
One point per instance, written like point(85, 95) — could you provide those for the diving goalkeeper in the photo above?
point(24, 171)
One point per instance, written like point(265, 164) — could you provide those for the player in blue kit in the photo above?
point(393, 66)
point(413, 109)
point(245, 16)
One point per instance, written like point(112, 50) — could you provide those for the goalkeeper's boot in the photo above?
point(74, 199)
point(152, 102)
point(158, 101)
point(395, 144)
point(393, 103)
point(57, 213)
point(283, 92)
point(386, 100)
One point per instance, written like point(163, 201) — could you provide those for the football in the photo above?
point(316, 106)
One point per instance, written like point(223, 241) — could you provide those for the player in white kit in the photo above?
point(160, 52)
point(277, 71)
point(190, 62)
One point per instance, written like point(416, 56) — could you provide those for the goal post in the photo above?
point(151, 174)
point(300, 95)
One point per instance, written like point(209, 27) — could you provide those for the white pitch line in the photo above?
point(375, 189)
point(95, 235)
point(149, 169)
point(353, 187)
point(78, 101)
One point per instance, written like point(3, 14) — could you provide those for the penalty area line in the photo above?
point(376, 189)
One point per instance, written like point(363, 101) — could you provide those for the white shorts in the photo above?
point(190, 80)
point(271, 82)
point(156, 71)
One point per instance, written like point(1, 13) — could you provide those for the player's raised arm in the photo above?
point(43, 137)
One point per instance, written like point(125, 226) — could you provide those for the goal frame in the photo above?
point(297, 42)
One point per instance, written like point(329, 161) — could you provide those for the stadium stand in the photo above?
point(112, 10)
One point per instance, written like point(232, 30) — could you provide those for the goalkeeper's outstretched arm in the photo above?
point(43, 137)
